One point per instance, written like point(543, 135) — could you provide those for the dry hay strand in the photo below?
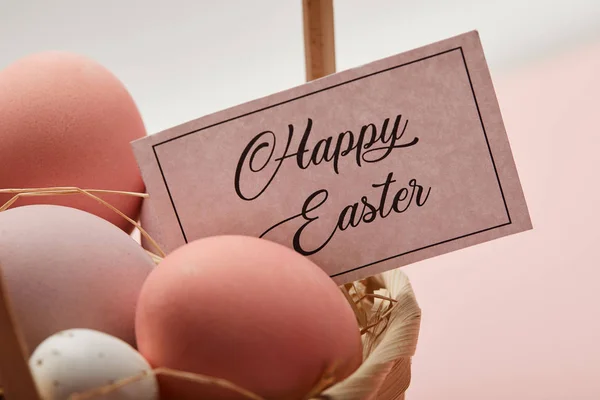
point(68, 190)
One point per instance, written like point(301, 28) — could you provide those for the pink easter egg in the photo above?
point(247, 310)
point(67, 121)
point(65, 268)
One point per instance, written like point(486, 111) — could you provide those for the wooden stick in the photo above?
point(319, 38)
point(14, 368)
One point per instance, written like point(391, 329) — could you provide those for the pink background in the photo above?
point(519, 317)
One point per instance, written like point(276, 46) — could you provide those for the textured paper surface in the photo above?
point(362, 171)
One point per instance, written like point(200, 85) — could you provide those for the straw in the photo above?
point(196, 378)
point(61, 191)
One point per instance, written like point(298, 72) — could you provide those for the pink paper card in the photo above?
point(362, 171)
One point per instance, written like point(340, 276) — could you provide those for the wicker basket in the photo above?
point(390, 323)
point(385, 307)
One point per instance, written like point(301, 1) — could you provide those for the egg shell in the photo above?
point(78, 360)
point(247, 310)
point(65, 268)
point(65, 120)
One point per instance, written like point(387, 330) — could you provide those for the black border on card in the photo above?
point(334, 86)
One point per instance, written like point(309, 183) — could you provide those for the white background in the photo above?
point(182, 59)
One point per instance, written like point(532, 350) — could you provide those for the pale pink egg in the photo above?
point(66, 268)
point(247, 310)
point(67, 121)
